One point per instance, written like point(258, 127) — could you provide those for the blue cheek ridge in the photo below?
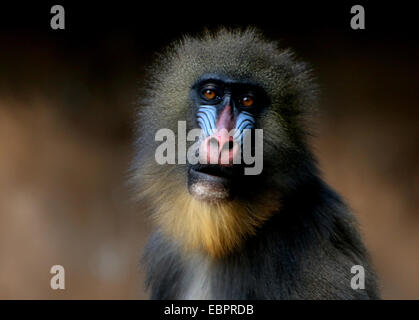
point(245, 120)
point(206, 117)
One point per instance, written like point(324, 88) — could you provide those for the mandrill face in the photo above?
point(226, 111)
point(247, 98)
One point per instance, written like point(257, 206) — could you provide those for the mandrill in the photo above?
point(220, 233)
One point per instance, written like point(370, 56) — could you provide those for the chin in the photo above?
point(212, 183)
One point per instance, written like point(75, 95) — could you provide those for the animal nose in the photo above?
point(219, 148)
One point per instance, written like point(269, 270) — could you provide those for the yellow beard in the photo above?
point(215, 228)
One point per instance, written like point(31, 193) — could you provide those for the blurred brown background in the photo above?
point(66, 123)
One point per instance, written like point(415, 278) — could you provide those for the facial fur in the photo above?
point(219, 227)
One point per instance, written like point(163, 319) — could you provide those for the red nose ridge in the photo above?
point(219, 148)
point(226, 119)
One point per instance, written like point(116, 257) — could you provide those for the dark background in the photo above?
point(66, 122)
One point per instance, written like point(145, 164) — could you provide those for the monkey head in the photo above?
point(225, 84)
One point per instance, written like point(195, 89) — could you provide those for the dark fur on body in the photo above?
point(304, 252)
point(305, 242)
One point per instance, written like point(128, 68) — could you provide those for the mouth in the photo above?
point(210, 183)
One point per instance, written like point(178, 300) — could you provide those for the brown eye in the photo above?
point(209, 94)
point(247, 101)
